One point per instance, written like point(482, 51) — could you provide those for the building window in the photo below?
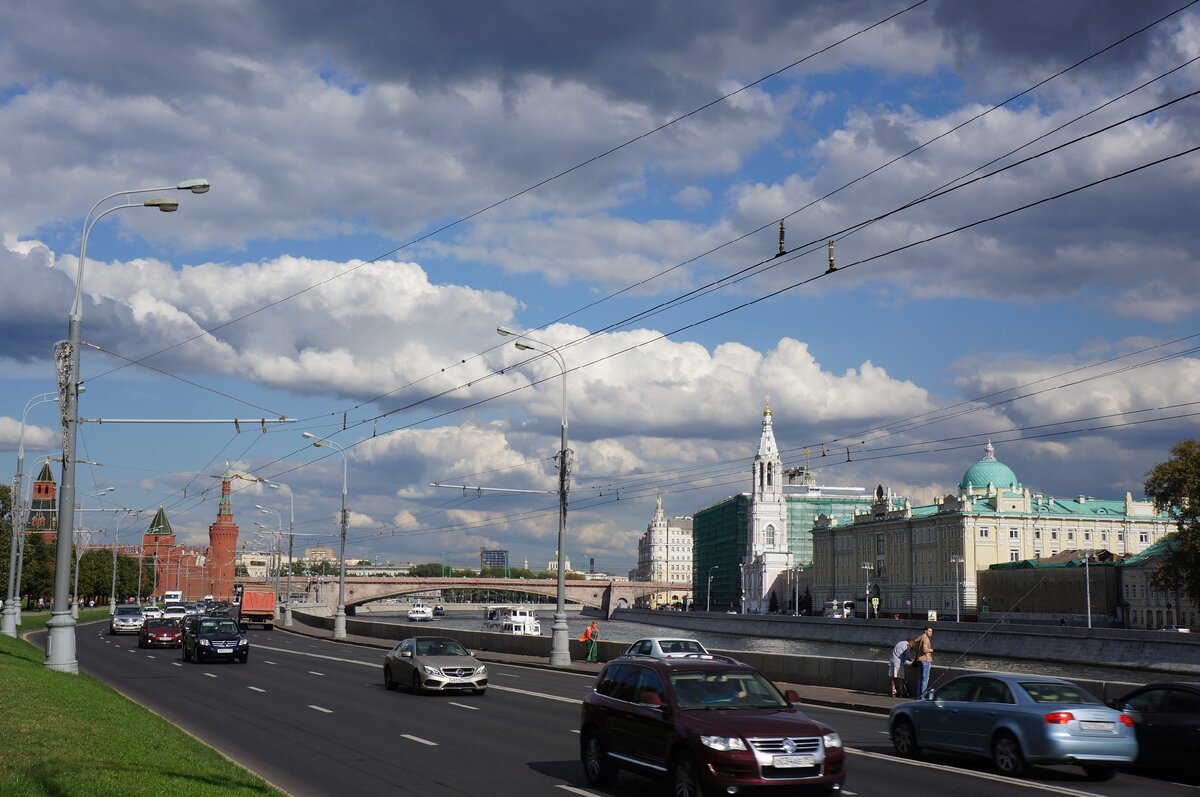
point(879, 549)
point(1037, 534)
point(1144, 537)
point(1104, 536)
point(1070, 536)
point(771, 536)
point(983, 532)
point(1054, 535)
point(1087, 536)
point(1014, 534)
point(1014, 556)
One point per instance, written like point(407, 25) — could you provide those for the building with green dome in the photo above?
point(925, 558)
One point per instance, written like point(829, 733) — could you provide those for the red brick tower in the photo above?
point(220, 568)
point(43, 506)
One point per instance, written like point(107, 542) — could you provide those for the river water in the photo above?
point(624, 631)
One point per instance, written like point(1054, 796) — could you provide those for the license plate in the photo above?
point(793, 761)
point(224, 650)
point(1095, 726)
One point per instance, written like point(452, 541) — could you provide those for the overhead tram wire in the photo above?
point(535, 186)
point(769, 263)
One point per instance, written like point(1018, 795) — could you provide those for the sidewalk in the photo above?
point(809, 695)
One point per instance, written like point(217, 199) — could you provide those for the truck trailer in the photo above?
point(258, 605)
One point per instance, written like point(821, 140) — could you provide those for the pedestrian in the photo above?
point(896, 663)
point(922, 656)
point(591, 641)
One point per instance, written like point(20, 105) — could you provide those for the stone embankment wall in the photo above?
point(855, 674)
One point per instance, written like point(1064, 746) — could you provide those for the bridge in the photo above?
point(607, 596)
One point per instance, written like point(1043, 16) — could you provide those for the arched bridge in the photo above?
point(605, 595)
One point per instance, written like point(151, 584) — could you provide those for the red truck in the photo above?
point(258, 605)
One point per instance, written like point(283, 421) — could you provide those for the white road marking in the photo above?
point(210, 675)
point(151, 657)
point(574, 730)
point(535, 694)
point(508, 674)
point(133, 650)
point(314, 672)
point(574, 790)
point(265, 661)
point(1028, 784)
point(419, 740)
point(322, 710)
point(177, 664)
point(464, 705)
point(255, 689)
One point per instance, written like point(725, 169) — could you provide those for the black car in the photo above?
point(214, 638)
point(1166, 717)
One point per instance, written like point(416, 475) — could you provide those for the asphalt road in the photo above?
point(312, 717)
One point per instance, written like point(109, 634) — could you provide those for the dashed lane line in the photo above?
point(464, 705)
point(177, 664)
point(314, 672)
point(419, 740)
point(1011, 782)
point(210, 675)
point(320, 709)
point(255, 689)
point(151, 657)
point(574, 790)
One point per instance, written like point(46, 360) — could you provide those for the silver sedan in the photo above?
point(1017, 720)
point(434, 664)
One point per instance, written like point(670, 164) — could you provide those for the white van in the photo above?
point(173, 596)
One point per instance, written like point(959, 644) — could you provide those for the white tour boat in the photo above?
point(519, 620)
point(420, 613)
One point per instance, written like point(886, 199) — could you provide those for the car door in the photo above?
point(402, 662)
point(991, 702)
point(938, 721)
point(1179, 726)
point(649, 729)
point(1145, 708)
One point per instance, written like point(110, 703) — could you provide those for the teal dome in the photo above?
point(988, 471)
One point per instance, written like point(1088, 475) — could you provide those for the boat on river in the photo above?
point(420, 613)
point(516, 620)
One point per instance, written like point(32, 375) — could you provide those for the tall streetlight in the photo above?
point(867, 568)
point(60, 641)
point(958, 560)
point(112, 598)
point(287, 607)
point(339, 619)
point(79, 553)
point(1087, 584)
point(12, 609)
point(560, 644)
point(708, 594)
point(279, 519)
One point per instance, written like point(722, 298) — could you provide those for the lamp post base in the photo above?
point(287, 616)
point(60, 644)
point(75, 610)
point(560, 642)
point(339, 623)
point(9, 626)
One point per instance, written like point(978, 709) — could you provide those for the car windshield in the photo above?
point(163, 623)
point(440, 647)
point(128, 610)
point(725, 689)
point(1049, 692)
point(222, 627)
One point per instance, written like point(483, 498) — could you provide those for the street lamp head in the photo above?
point(524, 346)
point(200, 186)
point(165, 205)
point(505, 331)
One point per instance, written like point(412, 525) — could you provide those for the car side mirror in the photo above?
point(405, 654)
point(651, 699)
point(792, 697)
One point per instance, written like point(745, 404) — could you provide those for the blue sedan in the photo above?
point(1017, 720)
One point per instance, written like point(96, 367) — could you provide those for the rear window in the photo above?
point(1058, 693)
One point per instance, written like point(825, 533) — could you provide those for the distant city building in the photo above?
point(1054, 588)
point(665, 555)
point(553, 566)
point(1146, 607)
point(497, 559)
point(315, 556)
point(750, 543)
point(908, 549)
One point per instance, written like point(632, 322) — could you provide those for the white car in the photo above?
point(176, 610)
point(152, 611)
point(1177, 629)
point(668, 648)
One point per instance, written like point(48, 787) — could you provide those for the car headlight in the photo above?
point(723, 742)
point(832, 740)
point(482, 670)
point(431, 670)
point(205, 642)
point(243, 641)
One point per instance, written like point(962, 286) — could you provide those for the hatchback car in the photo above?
point(434, 664)
point(666, 648)
point(152, 611)
point(214, 638)
point(1017, 720)
point(711, 725)
point(1166, 717)
point(127, 619)
point(160, 632)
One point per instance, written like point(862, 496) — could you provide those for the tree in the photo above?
point(1174, 485)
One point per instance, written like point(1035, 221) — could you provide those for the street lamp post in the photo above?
point(12, 609)
point(958, 560)
point(339, 619)
point(279, 518)
point(742, 587)
point(867, 568)
point(560, 645)
point(708, 594)
point(60, 641)
point(287, 607)
point(1087, 584)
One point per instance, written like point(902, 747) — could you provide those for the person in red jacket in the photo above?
point(591, 640)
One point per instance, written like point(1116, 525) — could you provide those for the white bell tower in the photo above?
point(766, 555)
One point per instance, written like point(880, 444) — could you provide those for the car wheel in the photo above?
point(1101, 772)
point(598, 768)
point(389, 682)
point(1007, 756)
point(685, 777)
point(416, 684)
point(904, 738)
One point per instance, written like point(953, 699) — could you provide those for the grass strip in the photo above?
point(66, 735)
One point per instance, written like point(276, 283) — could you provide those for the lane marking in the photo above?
point(463, 705)
point(535, 694)
point(574, 790)
point(265, 661)
point(255, 689)
point(419, 740)
point(151, 657)
point(210, 675)
point(322, 710)
point(1029, 784)
point(508, 674)
point(314, 672)
point(574, 730)
point(177, 664)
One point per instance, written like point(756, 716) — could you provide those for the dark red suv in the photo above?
point(711, 726)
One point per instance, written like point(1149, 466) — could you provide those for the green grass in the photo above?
point(65, 735)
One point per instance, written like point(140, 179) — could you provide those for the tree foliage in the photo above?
point(1174, 485)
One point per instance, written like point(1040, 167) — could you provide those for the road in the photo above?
point(312, 717)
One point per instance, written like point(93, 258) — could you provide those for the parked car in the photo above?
point(160, 632)
point(214, 638)
point(127, 618)
point(666, 648)
point(1166, 717)
point(1176, 629)
point(433, 664)
point(1017, 720)
point(711, 725)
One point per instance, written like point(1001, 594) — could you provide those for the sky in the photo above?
point(1011, 188)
